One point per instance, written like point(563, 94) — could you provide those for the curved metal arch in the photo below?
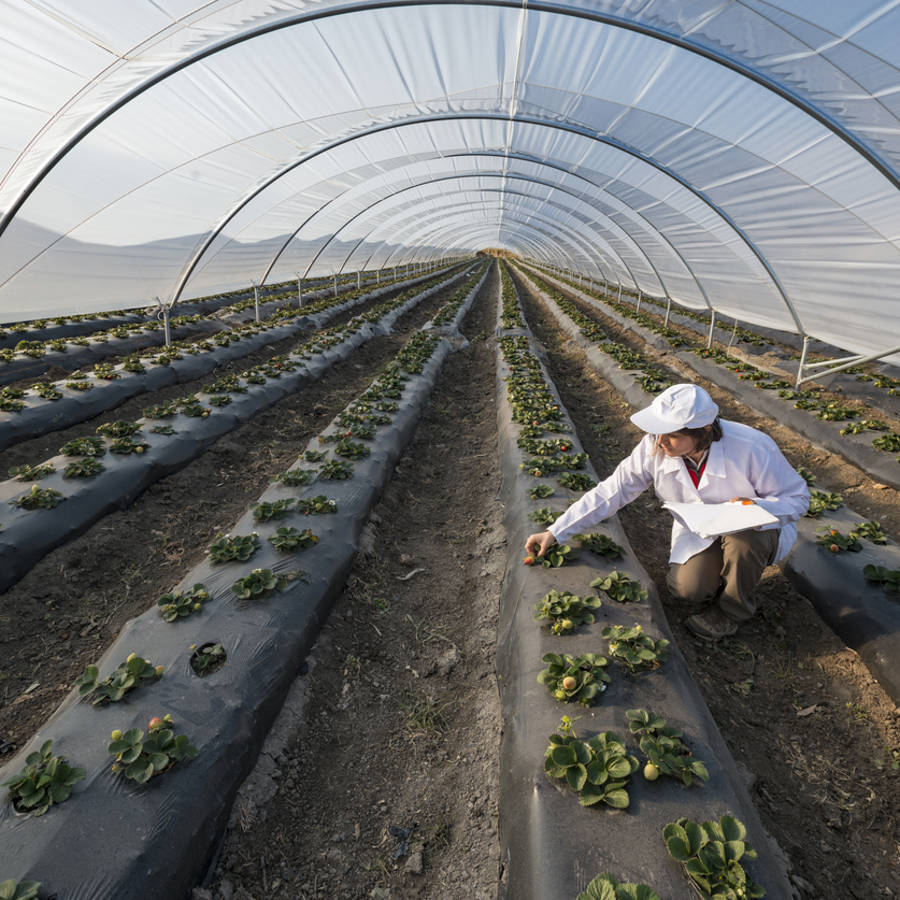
point(559, 225)
point(494, 155)
point(524, 157)
point(575, 238)
point(515, 177)
point(603, 18)
point(521, 119)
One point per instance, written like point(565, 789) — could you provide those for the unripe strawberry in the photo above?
point(566, 624)
point(155, 722)
point(569, 683)
point(130, 657)
point(651, 772)
point(834, 548)
point(559, 694)
point(116, 735)
point(159, 670)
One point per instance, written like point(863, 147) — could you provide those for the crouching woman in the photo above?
point(690, 455)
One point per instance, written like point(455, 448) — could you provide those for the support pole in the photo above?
point(640, 297)
point(668, 311)
point(803, 353)
point(620, 292)
point(733, 334)
point(256, 299)
point(335, 283)
point(712, 325)
point(299, 291)
point(164, 315)
point(358, 280)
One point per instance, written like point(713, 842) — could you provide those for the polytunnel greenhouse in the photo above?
point(348, 354)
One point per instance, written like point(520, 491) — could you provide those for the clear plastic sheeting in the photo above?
point(742, 156)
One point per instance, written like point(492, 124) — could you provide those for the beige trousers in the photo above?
point(728, 570)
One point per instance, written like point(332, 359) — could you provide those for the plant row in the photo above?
point(248, 588)
point(598, 770)
point(55, 405)
point(816, 401)
point(90, 483)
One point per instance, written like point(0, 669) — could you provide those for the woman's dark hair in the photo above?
point(703, 437)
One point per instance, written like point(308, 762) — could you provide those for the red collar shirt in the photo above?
point(744, 463)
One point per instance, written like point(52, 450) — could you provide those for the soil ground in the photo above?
point(400, 725)
point(64, 613)
point(818, 737)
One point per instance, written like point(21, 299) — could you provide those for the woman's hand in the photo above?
point(539, 544)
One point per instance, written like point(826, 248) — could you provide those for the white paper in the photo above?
point(714, 519)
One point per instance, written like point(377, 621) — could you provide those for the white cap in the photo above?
point(677, 407)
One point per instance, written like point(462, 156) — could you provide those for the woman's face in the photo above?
point(676, 444)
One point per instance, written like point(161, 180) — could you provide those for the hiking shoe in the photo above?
point(712, 624)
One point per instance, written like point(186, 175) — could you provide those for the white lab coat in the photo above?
point(744, 463)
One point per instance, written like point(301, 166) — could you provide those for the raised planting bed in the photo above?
point(66, 402)
point(154, 840)
point(552, 845)
point(862, 613)
point(823, 419)
point(33, 522)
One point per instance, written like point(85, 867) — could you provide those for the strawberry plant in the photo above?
point(227, 547)
point(225, 385)
point(889, 441)
point(261, 581)
point(871, 531)
point(46, 391)
point(19, 890)
point(574, 679)
point(297, 477)
point(351, 449)
point(599, 544)
point(133, 364)
point(106, 372)
point(163, 429)
point(605, 887)
point(555, 557)
point(191, 406)
point(34, 349)
point(666, 752)
point(123, 446)
point(207, 658)
point(278, 509)
point(634, 649)
point(545, 515)
point(576, 481)
point(31, 473)
point(79, 385)
point(84, 446)
point(889, 578)
point(119, 429)
point(711, 856)
point(315, 455)
point(11, 399)
point(288, 538)
point(540, 492)
point(181, 604)
point(38, 498)
point(161, 410)
point(566, 611)
point(219, 400)
point(140, 758)
point(864, 425)
point(619, 587)
point(336, 470)
point(820, 501)
point(86, 467)
point(318, 505)
point(597, 769)
point(837, 542)
point(806, 475)
point(128, 676)
point(45, 780)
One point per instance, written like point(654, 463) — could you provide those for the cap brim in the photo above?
point(648, 421)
